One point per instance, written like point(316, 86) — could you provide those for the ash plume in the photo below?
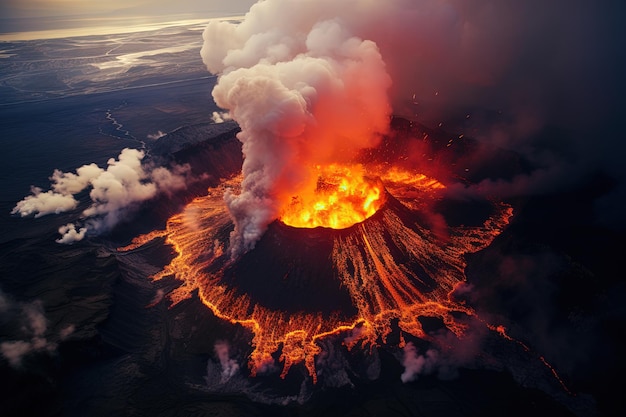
point(114, 191)
point(315, 80)
point(305, 90)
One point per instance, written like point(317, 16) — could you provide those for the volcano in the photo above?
point(298, 286)
point(299, 262)
point(475, 274)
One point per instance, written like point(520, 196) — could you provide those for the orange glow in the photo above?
point(343, 196)
point(378, 274)
point(408, 178)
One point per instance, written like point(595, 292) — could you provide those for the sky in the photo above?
point(40, 15)
point(54, 8)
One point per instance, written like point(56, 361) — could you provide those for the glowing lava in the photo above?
point(343, 196)
point(393, 267)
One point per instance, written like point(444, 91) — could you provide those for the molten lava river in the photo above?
point(393, 267)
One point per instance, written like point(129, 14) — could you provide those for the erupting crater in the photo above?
point(376, 262)
point(343, 196)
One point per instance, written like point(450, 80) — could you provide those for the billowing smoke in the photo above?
point(416, 364)
point(310, 82)
point(114, 192)
point(220, 117)
point(306, 91)
point(31, 336)
point(446, 355)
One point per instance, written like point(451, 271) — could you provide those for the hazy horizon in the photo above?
point(48, 19)
point(93, 27)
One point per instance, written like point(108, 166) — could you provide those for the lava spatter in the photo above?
point(392, 267)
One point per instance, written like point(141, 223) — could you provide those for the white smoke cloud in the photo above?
point(122, 186)
point(157, 135)
point(41, 203)
point(34, 334)
point(354, 335)
point(304, 89)
point(170, 180)
point(14, 351)
point(220, 117)
point(69, 234)
point(230, 367)
point(444, 53)
point(416, 364)
point(34, 330)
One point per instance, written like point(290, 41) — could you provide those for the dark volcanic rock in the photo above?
point(189, 136)
point(290, 269)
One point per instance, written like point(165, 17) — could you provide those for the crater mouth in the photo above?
point(342, 196)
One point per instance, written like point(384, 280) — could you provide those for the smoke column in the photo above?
point(309, 82)
point(229, 366)
point(305, 90)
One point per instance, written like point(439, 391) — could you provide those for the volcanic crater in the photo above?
point(298, 286)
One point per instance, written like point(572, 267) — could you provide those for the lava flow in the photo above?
point(392, 267)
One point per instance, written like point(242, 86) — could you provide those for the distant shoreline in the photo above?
point(108, 27)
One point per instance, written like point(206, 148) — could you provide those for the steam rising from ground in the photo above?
point(114, 192)
point(445, 355)
point(309, 82)
point(416, 364)
point(229, 366)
